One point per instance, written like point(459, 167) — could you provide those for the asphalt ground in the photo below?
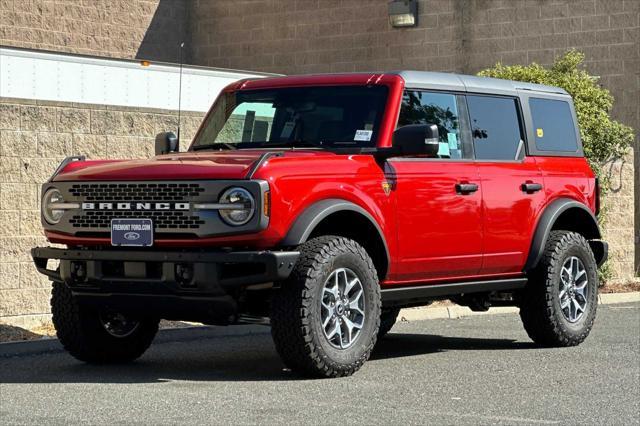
point(473, 370)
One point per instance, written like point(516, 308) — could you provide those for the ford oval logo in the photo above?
point(131, 236)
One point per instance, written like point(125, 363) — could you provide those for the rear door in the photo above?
point(439, 222)
point(512, 184)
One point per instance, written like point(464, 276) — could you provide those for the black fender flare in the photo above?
point(304, 225)
point(548, 218)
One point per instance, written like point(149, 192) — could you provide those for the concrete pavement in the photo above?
point(472, 370)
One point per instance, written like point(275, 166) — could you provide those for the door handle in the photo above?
point(530, 187)
point(466, 188)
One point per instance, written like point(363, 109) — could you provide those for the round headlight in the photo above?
point(243, 209)
point(51, 215)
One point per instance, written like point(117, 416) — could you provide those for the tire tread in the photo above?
point(81, 334)
point(538, 310)
point(292, 304)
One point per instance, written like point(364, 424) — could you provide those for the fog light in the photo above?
point(403, 13)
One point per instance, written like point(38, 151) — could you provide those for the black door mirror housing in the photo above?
point(166, 143)
point(417, 139)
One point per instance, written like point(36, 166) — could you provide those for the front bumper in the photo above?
point(185, 285)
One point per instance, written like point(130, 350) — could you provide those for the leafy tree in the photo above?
point(603, 138)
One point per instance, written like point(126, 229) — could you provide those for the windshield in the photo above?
point(324, 117)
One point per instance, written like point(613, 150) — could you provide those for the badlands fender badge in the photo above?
point(386, 187)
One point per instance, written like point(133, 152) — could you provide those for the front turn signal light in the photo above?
point(266, 204)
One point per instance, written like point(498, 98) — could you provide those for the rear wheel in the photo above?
point(325, 317)
point(559, 303)
point(98, 335)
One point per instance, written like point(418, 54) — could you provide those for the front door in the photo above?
point(438, 199)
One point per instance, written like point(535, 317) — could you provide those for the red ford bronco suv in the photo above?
point(323, 204)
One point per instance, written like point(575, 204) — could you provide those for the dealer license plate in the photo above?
point(131, 232)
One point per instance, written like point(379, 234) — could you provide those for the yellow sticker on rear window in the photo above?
point(539, 133)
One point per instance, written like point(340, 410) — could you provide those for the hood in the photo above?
point(184, 166)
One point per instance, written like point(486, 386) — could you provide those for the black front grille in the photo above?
point(157, 192)
point(136, 192)
point(161, 219)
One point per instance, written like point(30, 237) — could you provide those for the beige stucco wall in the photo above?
point(34, 138)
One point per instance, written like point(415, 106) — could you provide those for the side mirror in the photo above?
point(166, 143)
point(417, 139)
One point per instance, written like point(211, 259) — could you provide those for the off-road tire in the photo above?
point(540, 309)
point(388, 318)
point(82, 334)
point(295, 309)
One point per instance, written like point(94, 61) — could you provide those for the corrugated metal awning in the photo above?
point(33, 74)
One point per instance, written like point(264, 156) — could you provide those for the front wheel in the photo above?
point(95, 335)
point(325, 317)
point(559, 303)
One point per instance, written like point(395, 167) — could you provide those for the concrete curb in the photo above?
point(610, 298)
point(52, 345)
point(455, 311)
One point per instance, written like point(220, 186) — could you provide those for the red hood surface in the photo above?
point(183, 166)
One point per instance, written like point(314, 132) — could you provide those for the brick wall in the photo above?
point(145, 29)
point(34, 137)
point(307, 36)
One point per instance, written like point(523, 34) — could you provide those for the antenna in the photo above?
point(180, 90)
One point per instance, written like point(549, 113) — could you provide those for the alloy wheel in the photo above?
point(117, 324)
point(574, 289)
point(342, 308)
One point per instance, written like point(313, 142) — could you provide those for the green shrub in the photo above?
point(603, 138)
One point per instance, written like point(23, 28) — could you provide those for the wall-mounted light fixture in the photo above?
point(403, 13)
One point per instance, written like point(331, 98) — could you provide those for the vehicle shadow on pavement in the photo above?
point(232, 358)
point(401, 345)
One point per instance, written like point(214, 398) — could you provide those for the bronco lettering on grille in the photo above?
point(134, 206)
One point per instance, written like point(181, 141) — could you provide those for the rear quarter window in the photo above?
point(553, 126)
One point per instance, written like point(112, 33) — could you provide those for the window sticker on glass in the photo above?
point(363, 135)
point(539, 132)
point(443, 149)
point(452, 138)
point(368, 126)
point(287, 129)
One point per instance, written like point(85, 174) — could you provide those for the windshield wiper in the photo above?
point(261, 144)
point(288, 144)
point(217, 145)
point(302, 143)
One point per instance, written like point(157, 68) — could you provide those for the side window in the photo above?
point(495, 126)
point(553, 125)
point(441, 109)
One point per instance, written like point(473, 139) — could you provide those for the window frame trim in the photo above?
point(531, 145)
point(521, 124)
point(525, 121)
point(339, 150)
point(468, 153)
